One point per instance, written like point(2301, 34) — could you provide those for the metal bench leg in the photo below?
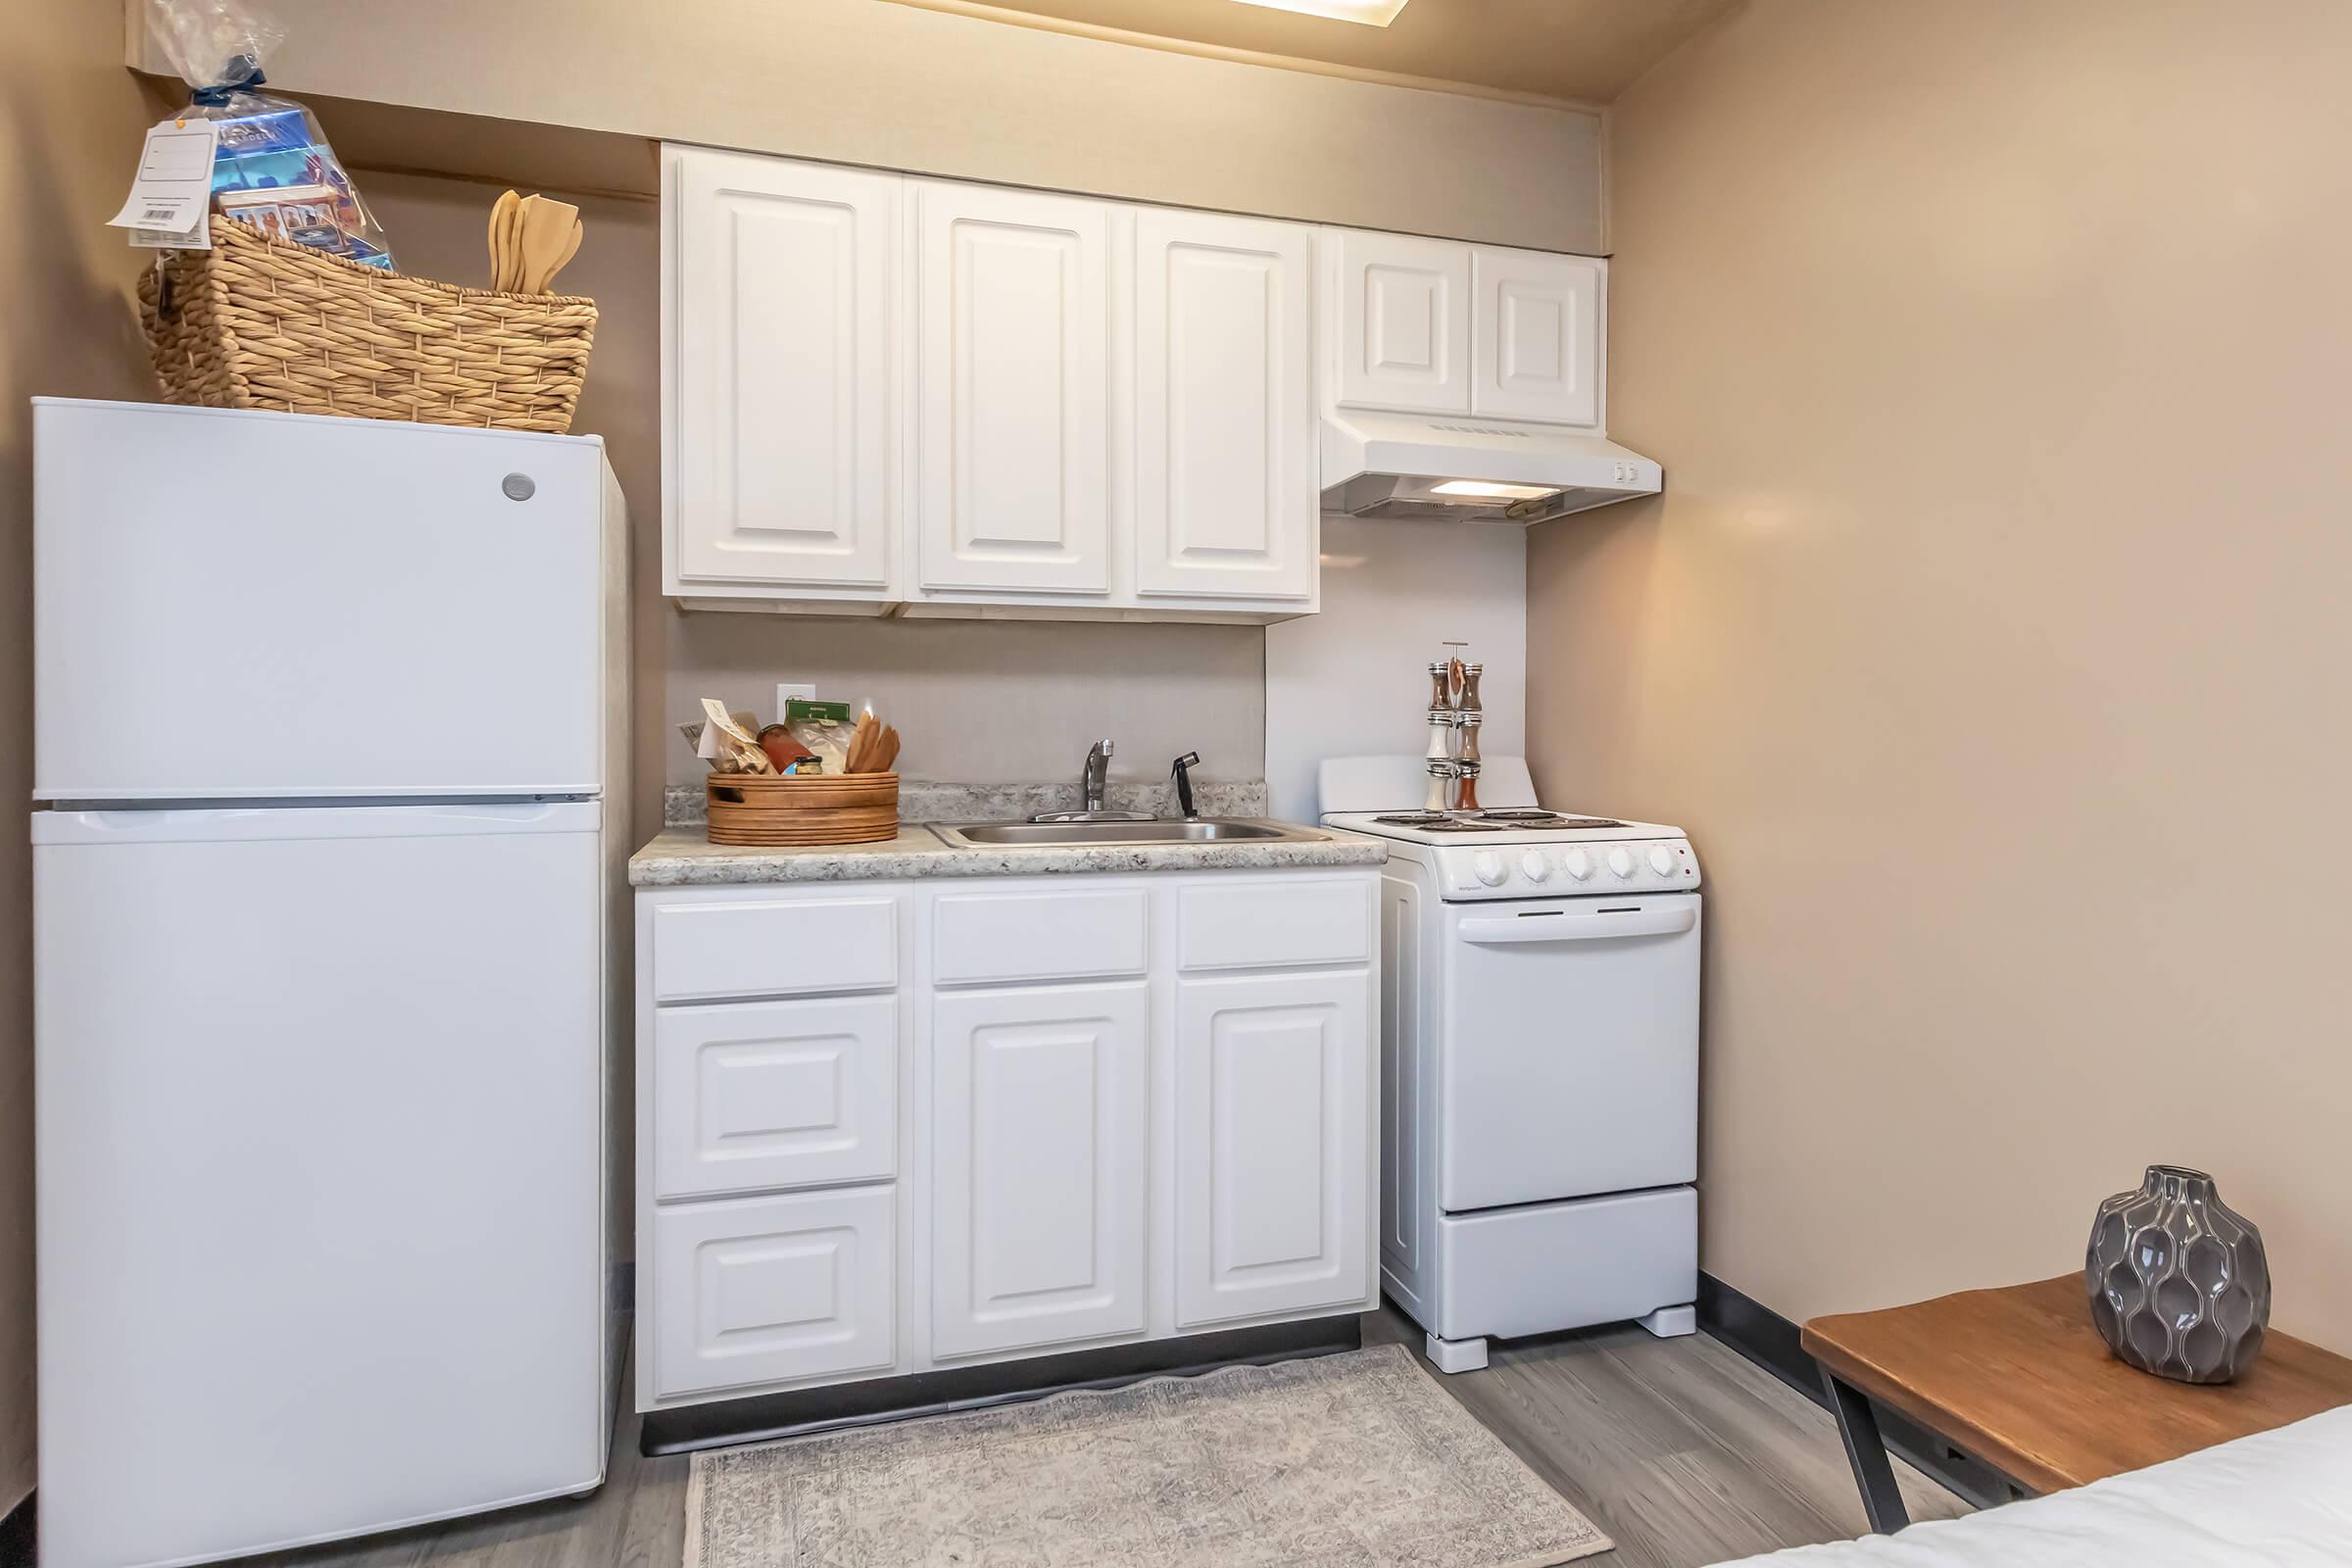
point(1866, 1451)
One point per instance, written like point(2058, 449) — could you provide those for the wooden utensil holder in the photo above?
point(759, 810)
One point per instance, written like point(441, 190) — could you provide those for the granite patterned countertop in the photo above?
point(681, 857)
point(923, 800)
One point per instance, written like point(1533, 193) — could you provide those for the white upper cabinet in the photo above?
point(1012, 389)
point(1440, 327)
point(891, 395)
point(780, 388)
point(1225, 493)
point(1403, 330)
point(1535, 330)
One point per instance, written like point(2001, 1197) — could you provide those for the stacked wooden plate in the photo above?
point(782, 810)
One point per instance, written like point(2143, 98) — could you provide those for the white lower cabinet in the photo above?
point(774, 1094)
point(1271, 1189)
point(890, 1128)
point(1040, 1136)
point(765, 1290)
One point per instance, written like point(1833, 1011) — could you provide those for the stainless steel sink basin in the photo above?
point(1200, 830)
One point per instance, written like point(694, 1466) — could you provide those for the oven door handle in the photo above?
point(1578, 927)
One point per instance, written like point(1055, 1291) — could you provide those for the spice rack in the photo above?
point(1455, 714)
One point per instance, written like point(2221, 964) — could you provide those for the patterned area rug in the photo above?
point(1335, 1462)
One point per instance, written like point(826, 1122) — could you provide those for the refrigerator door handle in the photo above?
point(339, 820)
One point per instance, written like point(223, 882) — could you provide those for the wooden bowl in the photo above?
point(763, 810)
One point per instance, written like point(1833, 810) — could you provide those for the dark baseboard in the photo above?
point(1776, 1344)
point(765, 1417)
point(18, 1548)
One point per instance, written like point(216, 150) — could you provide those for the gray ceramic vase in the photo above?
point(2179, 1283)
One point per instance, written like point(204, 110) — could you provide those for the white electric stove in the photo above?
point(1539, 1059)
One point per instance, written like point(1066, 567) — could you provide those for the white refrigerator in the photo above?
point(328, 720)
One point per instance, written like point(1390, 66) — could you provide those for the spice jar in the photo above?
point(1441, 781)
point(1441, 734)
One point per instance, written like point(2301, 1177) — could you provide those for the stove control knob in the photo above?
point(1489, 867)
point(1661, 860)
point(1534, 866)
point(1621, 862)
point(1577, 863)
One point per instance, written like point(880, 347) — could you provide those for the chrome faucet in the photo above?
point(1092, 776)
point(1093, 780)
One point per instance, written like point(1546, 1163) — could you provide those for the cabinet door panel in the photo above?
point(774, 1094)
point(1040, 1137)
point(1405, 323)
point(765, 1290)
point(1272, 1117)
point(783, 383)
point(1012, 377)
point(1226, 502)
point(1537, 329)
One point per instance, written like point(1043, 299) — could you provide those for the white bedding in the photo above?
point(2277, 1499)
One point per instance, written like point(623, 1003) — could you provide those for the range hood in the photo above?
point(1465, 469)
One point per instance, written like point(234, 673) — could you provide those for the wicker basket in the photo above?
point(774, 810)
point(262, 323)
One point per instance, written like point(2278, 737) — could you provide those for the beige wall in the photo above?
point(900, 87)
point(1990, 636)
point(977, 701)
point(73, 117)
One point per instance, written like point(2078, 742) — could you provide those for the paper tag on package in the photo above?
point(170, 199)
point(727, 742)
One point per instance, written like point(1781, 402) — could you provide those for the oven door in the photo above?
point(1568, 1044)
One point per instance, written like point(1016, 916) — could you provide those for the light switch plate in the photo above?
point(786, 692)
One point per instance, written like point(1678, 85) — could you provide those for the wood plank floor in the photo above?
point(1683, 1451)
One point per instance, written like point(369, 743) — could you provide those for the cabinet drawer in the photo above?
point(774, 1094)
point(707, 951)
point(1256, 924)
point(766, 1289)
point(1073, 935)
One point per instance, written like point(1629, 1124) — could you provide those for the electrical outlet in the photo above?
point(786, 692)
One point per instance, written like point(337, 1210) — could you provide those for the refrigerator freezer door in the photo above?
point(318, 1202)
point(233, 606)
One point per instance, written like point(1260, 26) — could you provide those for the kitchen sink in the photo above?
point(1199, 830)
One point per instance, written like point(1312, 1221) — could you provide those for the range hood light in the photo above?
point(1485, 490)
point(1371, 12)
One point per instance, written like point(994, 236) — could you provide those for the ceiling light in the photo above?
point(1489, 491)
point(1371, 12)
